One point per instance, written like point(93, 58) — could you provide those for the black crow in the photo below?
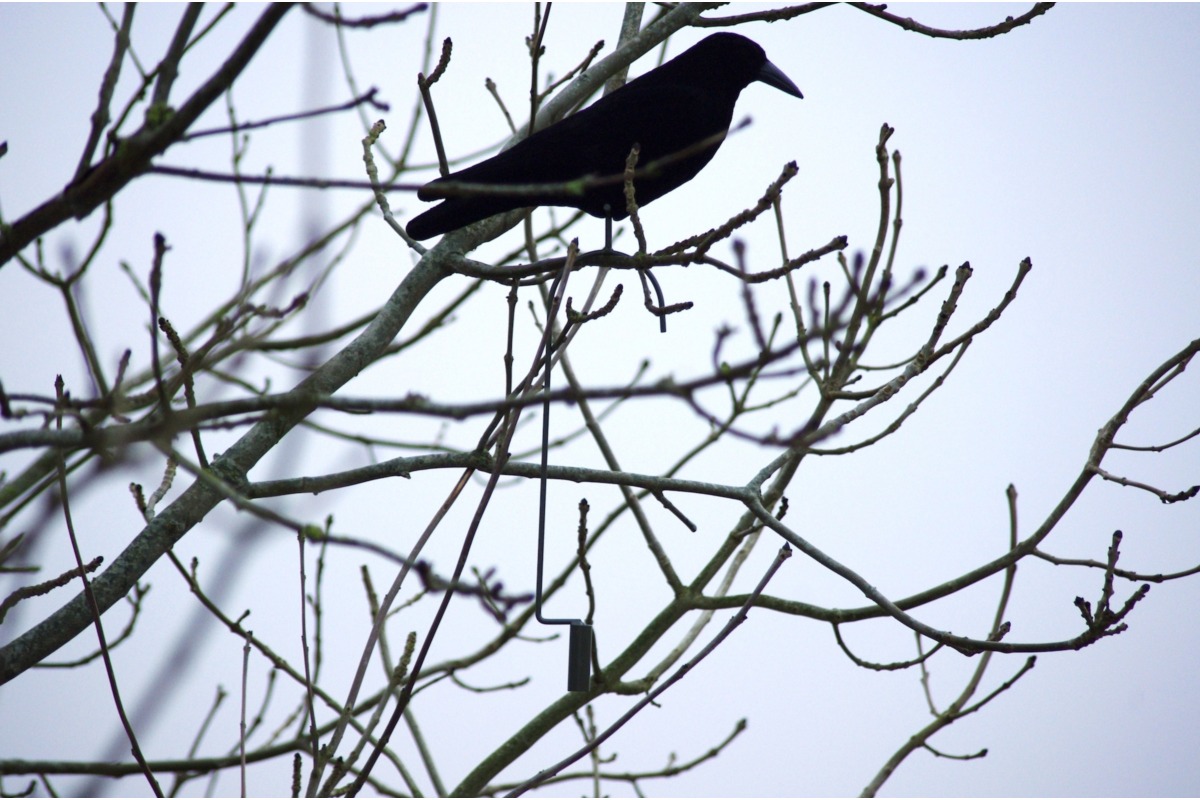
point(669, 111)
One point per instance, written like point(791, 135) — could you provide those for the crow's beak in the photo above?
point(773, 76)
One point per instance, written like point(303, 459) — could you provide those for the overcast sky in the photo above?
point(1070, 140)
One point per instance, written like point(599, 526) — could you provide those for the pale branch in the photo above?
point(1161, 494)
point(45, 587)
point(1103, 625)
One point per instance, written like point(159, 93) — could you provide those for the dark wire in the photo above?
point(544, 473)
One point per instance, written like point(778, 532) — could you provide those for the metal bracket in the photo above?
point(579, 656)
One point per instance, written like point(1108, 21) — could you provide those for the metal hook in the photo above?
point(579, 654)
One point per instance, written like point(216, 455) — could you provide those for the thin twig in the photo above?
point(95, 607)
point(1000, 29)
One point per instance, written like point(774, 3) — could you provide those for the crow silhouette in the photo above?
point(677, 113)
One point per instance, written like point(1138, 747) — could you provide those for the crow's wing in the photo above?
point(663, 118)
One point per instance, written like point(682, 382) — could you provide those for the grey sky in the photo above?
point(1070, 141)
